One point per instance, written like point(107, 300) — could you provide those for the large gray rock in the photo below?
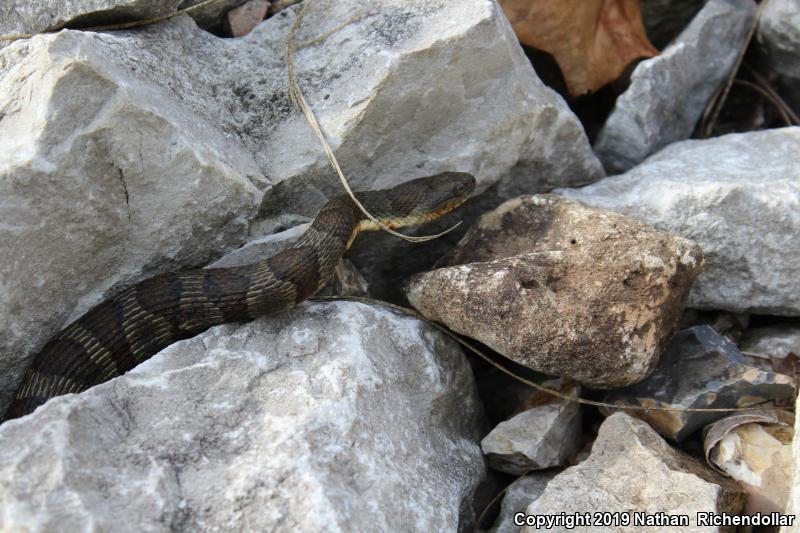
point(127, 154)
point(779, 35)
point(337, 416)
point(668, 93)
point(701, 369)
point(632, 470)
point(738, 196)
point(564, 289)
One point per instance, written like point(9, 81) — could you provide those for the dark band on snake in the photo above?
point(137, 323)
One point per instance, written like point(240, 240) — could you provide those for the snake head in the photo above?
point(434, 196)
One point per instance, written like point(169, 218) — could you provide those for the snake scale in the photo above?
point(129, 328)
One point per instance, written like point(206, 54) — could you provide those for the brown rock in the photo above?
point(564, 289)
point(241, 20)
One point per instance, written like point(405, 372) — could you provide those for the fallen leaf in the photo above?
point(592, 40)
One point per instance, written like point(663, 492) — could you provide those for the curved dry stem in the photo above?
point(552, 392)
point(298, 98)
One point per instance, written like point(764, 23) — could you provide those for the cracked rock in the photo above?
point(631, 469)
point(700, 369)
point(337, 415)
point(563, 289)
point(668, 93)
point(131, 153)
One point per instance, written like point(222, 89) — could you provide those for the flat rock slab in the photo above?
point(564, 289)
point(668, 93)
point(338, 416)
point(738, 196)
point(701, 369)
point(131, 153)
point(633, 470)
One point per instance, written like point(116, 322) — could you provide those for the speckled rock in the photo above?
point(701, 368)
point(668, 93)
point(543, 436)
point(738, 196)
point(632, 470)
point(563, 289)
point(338, 416)
point(131, 153)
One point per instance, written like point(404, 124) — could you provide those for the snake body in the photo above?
point(129, 328)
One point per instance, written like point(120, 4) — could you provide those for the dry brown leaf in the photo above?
point(592, 40)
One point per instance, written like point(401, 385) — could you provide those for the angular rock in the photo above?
point(632, 470)
point(213, 14)
point(133, 153)
point(665, 19)
point(794, 494)
point(668, 93)
point(541, 437)
point(738, 196)
point(338, 414)
point(519, 496)
point(241, 20)
point(700, 369)
point(564, 289)
point(779, 36)
point(772, 341)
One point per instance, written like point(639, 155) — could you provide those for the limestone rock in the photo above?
point(241, 20)
point(794, 492)
point(131, 153)
point(519, 496)
point(668, 93)
point(541, 437)
point(738, 196)
point(773, 341)
point(631, 469)
point(213, 14)
point(339, 415)
point(564, 289)
point(699, 369)
point(779, 36)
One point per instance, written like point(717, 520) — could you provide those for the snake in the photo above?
point(127, 329)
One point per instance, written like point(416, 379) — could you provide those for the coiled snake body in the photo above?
point(130, 327)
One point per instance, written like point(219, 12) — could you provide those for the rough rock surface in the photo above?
point(338, 414)
point(564, 289)
point(738, 196)
point(632, 469)
point(701, 368)
point(541, 437)
point(772, 341)
point(668, 93)
point(133, 153)
point(794, 495)
point(518, 497)
point(779, 35)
